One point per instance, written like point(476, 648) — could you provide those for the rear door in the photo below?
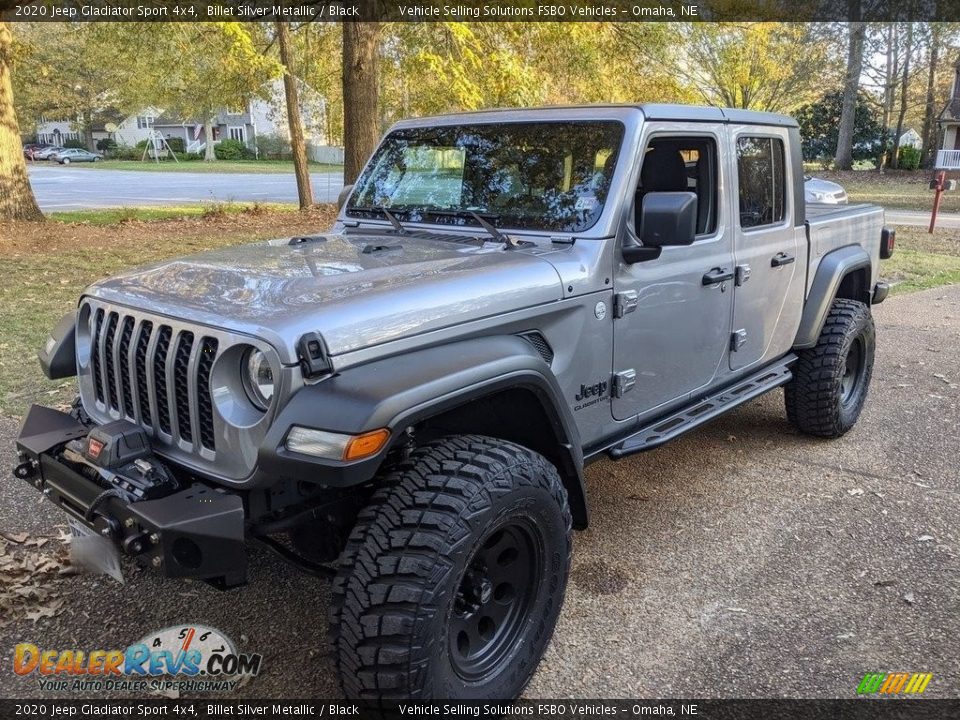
point(768, 288)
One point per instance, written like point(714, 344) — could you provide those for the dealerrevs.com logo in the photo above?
point(191, 658)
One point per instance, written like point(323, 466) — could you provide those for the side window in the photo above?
point(762, 179)
point(673, 164)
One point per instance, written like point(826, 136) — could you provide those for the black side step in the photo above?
point(664, 429)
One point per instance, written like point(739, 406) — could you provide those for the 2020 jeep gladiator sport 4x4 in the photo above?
point(505, 296)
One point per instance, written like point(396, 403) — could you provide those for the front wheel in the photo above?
point(452, 580)
point(831, 379)
point(65, 161)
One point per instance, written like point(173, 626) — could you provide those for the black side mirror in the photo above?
point(344, 194)
point(668, 218)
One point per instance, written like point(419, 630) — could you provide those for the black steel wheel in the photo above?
point(452, 580)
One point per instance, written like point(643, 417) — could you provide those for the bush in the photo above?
point(232, 150)
point(910, 158)
point(71, 143)
point(273, 147)
point(176, 144)
point(106, 145)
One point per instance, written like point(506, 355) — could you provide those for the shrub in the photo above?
point(273, 146)
point(107, 145)
point(176, 144)
point(71, 143)
point(232, 150)
point(910, 158)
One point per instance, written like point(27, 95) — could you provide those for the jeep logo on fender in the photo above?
point(592, 390)
point(590, 394)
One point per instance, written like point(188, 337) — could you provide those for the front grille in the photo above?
point(151, 373)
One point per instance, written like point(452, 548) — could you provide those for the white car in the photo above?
point(817, 190)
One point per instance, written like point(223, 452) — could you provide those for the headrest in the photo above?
point(663, 170)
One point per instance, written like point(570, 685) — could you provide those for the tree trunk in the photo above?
point(208, 153)
point(895, 157)
point(297, 144)
point(16, 196)
point(361, 129)
point(930, 111)
point(851, 89)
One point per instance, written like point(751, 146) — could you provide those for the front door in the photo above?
point(674, 326)
point(769, 264)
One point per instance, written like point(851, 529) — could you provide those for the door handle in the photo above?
point(717, 275)
point(781, 258)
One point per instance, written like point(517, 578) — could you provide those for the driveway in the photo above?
point(741, 560)
point(59, 188)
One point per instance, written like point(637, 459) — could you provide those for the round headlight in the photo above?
point(258, 378)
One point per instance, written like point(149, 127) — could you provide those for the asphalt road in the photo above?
point(60, 188)
point(921, 219)
point(741, 560)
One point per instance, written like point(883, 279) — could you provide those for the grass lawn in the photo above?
point(199, 166)
point(207, 211)
point(49, 264)
point(896, 190)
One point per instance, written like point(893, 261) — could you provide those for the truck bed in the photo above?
point(834, 226)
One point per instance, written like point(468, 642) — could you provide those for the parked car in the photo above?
point(31, 149)
point(414, 394)
point(45, 153)
point(69, 155)
point(818, 190)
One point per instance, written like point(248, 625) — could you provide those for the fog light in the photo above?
point(336, 446)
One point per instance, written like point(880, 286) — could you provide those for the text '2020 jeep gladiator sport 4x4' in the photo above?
point(505, 296)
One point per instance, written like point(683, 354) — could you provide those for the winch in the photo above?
point(118, 456)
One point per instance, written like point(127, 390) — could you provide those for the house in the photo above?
point(261, 117)
point(911, 138)
point(948, 156)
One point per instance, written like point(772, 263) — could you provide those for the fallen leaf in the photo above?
point(910, 598)
point(885, 583)
point(925, 538)
point(18, 538)
point(855, 491)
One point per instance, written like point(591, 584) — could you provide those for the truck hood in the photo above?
point(356, 290)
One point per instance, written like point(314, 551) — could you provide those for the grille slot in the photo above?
point(140, 365)
point(126, 391)
point(160, 377)
point(181, 385)
point(108, 359)
point(208, 351)
point(95, 357)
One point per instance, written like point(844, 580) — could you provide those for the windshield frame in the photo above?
point(352, 213)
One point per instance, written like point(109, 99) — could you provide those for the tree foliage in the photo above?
point(820, 122)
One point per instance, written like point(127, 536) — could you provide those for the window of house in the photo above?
point(762, 179)
point(145, 122)
point(238, 133)
point(677, 164)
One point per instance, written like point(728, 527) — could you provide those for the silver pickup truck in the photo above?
point(413, 396)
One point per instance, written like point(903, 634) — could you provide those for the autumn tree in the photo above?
point(16, 196)
point(193, 69)
point(843, 156)
point(361, 89)
point(294, 121)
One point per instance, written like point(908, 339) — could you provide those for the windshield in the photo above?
point(539, 176)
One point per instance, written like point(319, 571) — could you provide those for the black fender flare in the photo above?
point(833, 268)
point(400, 391)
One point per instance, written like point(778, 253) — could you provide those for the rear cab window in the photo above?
point(762, 180)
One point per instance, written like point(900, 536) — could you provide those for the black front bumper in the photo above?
point(197, 532)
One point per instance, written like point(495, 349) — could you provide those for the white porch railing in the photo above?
point(196, 147)
point(948, 160)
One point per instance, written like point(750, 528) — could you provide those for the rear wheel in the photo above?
point(831, 379)
point(451, 583)
point(65, 161)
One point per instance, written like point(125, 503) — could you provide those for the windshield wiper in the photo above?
point(508, 242)
point(397, 225)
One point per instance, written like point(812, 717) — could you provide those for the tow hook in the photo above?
point(26, 470)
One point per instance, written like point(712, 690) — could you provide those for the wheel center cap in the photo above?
point(485, 591)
